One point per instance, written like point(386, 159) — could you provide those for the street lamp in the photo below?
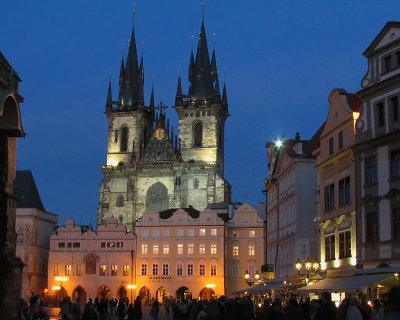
point(131, 286)
point(250, 281)
point(311, 267)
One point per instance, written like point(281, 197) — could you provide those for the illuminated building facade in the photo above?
point(88, 264)
point(377, 153)
point(148, 165)
point(336, 182)
point(291, 187)
point(34, 226)
point(183, 253)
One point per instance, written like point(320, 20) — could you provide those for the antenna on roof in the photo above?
point(202, 11)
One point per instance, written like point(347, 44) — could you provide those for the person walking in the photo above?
point(154, 310)
point(137, 309)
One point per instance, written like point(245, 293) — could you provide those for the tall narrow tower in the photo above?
point(202, 114)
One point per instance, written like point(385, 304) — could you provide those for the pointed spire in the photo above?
point(152, 97)
point(201, 78)
point(191, 66)
point(216, 90)
point(109, 97)
point(224, 96)
point(122, 72)
point(179, 88)
point(213, 64)
point(141, 82)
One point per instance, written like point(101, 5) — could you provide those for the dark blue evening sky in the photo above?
point(281, 59)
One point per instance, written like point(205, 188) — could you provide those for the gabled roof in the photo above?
point(26, 191)
point(380, 35)
point(354, 101)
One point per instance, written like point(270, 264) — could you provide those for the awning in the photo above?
point(347, 283)
point(261, 289)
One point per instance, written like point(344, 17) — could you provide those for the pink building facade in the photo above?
point(88, 264)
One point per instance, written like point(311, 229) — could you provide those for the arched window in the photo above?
point(124, 139)
point(157, 197)
point(198, 134)
point(20, 236)
point(90, 265)
point(120, 201)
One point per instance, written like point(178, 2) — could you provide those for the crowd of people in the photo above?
point(352, 308)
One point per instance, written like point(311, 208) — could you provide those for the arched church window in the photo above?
point(198, 134)
point(124, 139)
point(90, 267)
point(120, 201)
point(157, 197)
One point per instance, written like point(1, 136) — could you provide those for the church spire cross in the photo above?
point(161, 107)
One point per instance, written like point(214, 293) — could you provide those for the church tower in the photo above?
point(148, 167)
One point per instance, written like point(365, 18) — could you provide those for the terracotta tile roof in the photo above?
point(354, 101)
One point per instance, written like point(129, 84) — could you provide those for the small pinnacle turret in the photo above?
point(152, 98)
point(224, 96)
point(109, 97)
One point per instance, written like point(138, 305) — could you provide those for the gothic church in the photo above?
point(148, 166)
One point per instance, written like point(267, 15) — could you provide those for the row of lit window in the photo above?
point(180, 232)
point(235, 250)
point(344, 246)
point(102, 244)
point(102, 270)
point(179, 249)
point(180, 270)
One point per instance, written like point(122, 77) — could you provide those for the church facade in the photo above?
point(149, 167)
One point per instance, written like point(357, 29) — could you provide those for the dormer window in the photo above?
point(388, 63)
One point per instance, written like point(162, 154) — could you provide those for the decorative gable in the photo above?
point(389, 33)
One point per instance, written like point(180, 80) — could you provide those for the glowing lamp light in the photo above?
point(356, 115)
point(298, 264)
point(353, 261)
point(210, 285)
point(397, 274)
point(61, 279)
point(257, 276)
point(56, 288)
point(247, 275)
point(337, 263)
point(316, 265)
point(259, 305)
point(131, 286)
point(278, 143)
point(323, 265)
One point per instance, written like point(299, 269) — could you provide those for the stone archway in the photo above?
point(103, 292)
point(157, 197)
point(122, 293)
point(144, 295)
point(161, 294)
point(207, 294)
point(183, 293)
point(60, 295)
point(80, 293)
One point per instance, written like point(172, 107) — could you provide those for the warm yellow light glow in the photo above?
point(353, 261)
point(323, 265)
point(298, 264)
point(112, 162)
point(257, 276)
point(284, 282)
point(316, 265)
point(396, 274)
point(370, 303)
point(308, 265)
point(310, 283)
point(131, 286)
point(337, 263)
point(247, 275)
point(259, 305)
point(210, 285)
point(356, 115)
point(61, 279)
point(56, 287)
point(245, 292)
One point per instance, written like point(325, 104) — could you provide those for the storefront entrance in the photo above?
point(103, 292)
point(183, 293)
point(161, 294)
point(144, 295)
point(207, 294)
